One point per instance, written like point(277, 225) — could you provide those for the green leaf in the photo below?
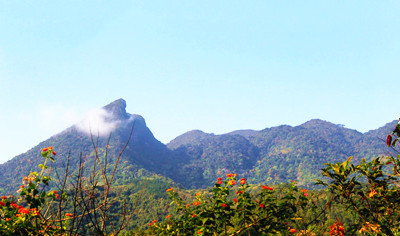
point(394, 142)
point(346, 163)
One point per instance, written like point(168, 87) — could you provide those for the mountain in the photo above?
point(143, 156)
point(196, 159)
point(279, 154)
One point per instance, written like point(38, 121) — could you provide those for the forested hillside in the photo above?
point(195, 159)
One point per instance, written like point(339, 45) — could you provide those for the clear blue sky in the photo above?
point(217, 66)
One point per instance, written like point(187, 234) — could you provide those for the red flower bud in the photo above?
point(389, 140)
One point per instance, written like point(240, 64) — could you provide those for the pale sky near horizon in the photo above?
point(216, 66)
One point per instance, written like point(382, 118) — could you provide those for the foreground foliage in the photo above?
point(231, 210)
point(358, 199)
point(367, 193)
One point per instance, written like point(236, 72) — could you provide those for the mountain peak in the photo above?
point(117, 109)
point(317, 123)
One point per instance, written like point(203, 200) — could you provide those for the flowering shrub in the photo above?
point(369, 190)
point(229, 209)
point(33, 213)
point(337, 229)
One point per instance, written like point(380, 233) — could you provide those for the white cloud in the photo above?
point(54, 118)
point(98, 122)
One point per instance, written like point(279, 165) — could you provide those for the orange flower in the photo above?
point(50, 148)
point(23, 210)
point(54, 153)
point(22, 186)
point(187, 205)
point(267, 188)
point(235, 200)
point(337, 228)
point(224, 205)
point(196, 203)
point(242, 181)
point(68, 215)
point(262, 205)
point(194, 215)
point(44, 149)
point(304, 191)
point(168, 216)
point(372, 193)
point(2, 204)
point(170, 189)
point(3, 197)
point(34, 211)
point(150, 224)
point(232, 182)
point(292, 231)
point(18, 215)
point(219, 181)
point(8, 219)
point(154, 221)
point(230, 175)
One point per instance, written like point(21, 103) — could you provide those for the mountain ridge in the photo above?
point(195, 159)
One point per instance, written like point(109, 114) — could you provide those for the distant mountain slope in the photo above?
point(279, 153)
point(196, 159)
